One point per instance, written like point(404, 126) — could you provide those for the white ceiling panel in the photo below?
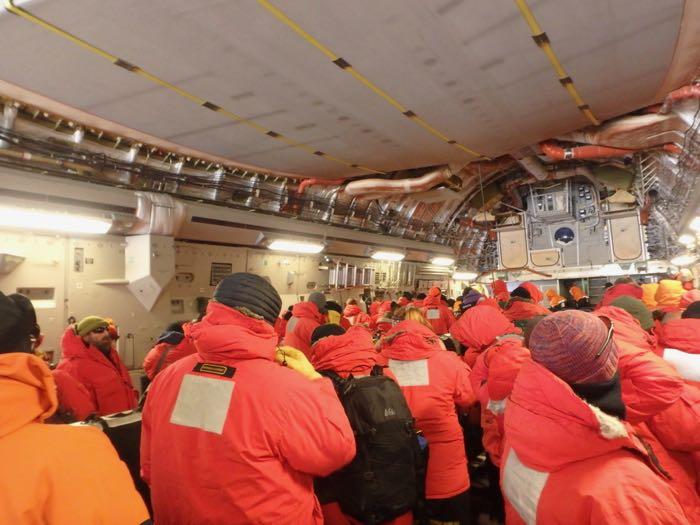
point(470, 69)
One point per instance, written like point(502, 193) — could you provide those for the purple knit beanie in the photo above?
point(575, 346)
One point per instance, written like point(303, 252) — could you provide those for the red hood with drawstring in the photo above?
point(105, 378)
point(522, 309)
point(618, 290)
point(500, 291)
point(435, 381)
point(566, 461)
point(350, 353)
point(681, 334)
point(439, 315)
point(277, 430)
point(534, 291)
point(305, 319)
point(479, 327)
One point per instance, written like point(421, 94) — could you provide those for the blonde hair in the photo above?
point(411, 313)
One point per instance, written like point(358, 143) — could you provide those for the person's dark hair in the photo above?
point(571, 304)
point(421, 296)
point(658, 315)
point(288, 313)
point(624, 280)
point(608, 285)
point(450, 302)
point(332, 305)
point(692, 312)
point(443, 297)
point(17, 323)
point(175, 327)
point(521, 292)
point(408, 295)
point(326, 330)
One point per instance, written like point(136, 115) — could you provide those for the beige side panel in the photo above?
point(512, 246)
point(625, 238)
point(545, 258)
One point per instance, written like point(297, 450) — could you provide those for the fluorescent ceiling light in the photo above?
point(464, 276)
point(686, 239)
point(684, 260)
point(29, 219)
point(388, 256)
point(442, 261)
point(695, 224)
point(287, 245)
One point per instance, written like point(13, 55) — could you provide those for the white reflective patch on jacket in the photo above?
point(410, 373)
point(687, 365)
point(522, 487)
point(203, 402)
point(496, 407)
point(433, 313)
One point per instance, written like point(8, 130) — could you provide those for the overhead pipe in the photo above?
point(382, 187)
point(318, 182)
point(7, 121)
point(683, 93)
point(556, 152)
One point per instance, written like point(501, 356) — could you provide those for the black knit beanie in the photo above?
point(249, 291)
point(692, 312)
point(326, 330)
point(15, 324)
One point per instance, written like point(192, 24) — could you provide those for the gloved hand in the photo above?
point(296, 360)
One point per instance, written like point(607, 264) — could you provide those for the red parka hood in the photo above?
point(432, 301)
point(681, 334)
point(481, 325)
point(564, 423)
point(627, 328)
point(308, 310)
point(410, 340)
point(520, 309)
point(353, 352)
point(352, 310)
point(27, 392)
point(505, 359)
point(535, 292)
point(618, 290)
point(225, 333)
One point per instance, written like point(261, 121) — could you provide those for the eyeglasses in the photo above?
point(99, 330)
point(607, 339)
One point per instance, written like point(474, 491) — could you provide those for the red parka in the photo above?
point(305, 319)
point(521, 309)
point(230, 436)
point(350, 353)
point(355, 315)
point(74, 400)
point(566, 461)
point(438, 315)
point(154, 362)
point(500, 291)
point(681, 334)
point(618, 290)
point(433, 381)
point(105, 378)
point(479, 327)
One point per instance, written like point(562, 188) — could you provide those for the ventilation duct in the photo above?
point(158, 214)
point(150, 265)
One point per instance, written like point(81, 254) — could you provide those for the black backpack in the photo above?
point(385, 479)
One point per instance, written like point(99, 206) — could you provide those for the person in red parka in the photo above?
point(172, 345)
point(622, 286)
point(306, 317)
point(479, 327)
point(569, 456)
point(355, 315)
point(500, 291)
point(684, 333)
point(346, 353)
point(382, 320)
point(439, 315)
point(87, 355)
point(523, 306)
point(436, 384)
point(663, 409)
point(236, 432)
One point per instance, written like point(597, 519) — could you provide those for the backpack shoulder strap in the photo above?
point(377, 370)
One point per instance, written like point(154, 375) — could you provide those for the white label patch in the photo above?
point(203, 402)
point(522, 487)
point(432, 314)
point(410, 373)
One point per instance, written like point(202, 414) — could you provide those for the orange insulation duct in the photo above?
point(555, 152)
